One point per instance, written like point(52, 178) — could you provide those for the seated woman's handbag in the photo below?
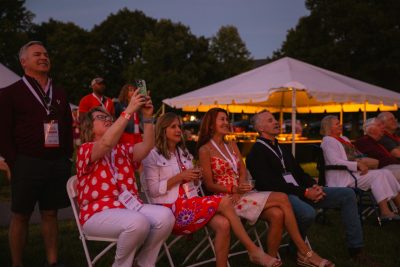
point(353, 154)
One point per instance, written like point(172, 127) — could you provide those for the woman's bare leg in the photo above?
point(256, 254)
point(222, 230)
point(281, 200)
point(275, 218)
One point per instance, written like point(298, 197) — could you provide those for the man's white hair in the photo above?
point(25, 47)
point(255, 121)
point(368, 124)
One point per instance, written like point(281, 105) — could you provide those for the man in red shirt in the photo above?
point(97, 98)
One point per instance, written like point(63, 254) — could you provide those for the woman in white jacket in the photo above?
point(382, 183)
point(170, 179)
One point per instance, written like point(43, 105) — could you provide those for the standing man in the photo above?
point(36, 142)
point(275, 169)
point(97, 98)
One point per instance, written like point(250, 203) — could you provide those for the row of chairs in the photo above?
point(202, 253)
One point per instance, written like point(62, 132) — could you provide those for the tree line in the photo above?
point(356, 38)
point(125, 46)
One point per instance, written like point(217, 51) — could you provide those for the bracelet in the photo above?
point(148, 120)
point(126, 115)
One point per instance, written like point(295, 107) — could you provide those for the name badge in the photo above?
point(129, 201)
point(51, 135)
point(289, 178)
point(190, 190)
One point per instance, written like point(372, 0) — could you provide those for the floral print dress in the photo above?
point(192, 214)
point(250, 204)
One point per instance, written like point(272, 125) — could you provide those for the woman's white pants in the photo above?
point(147, 228)
point(383, 185)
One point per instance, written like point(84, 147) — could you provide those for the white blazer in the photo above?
point(157, 170)
point(335, 154)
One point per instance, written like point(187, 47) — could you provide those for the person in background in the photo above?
point(274, 168)
point(108, 197)
point(171, 181)
point(75, 127)
point(382, 183)
point(96, 98)
point(132, 131)
point(36, 142)
point(4, 167)
point(226, 174)
point(390, 140)
point(370, 144)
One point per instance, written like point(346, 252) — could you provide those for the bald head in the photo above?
point(389, 121)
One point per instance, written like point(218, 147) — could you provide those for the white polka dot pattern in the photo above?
point(97, 190)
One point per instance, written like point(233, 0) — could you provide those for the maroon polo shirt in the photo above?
point(369, 146)
point(22, 117)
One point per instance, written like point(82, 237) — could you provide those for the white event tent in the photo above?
point(289, 85)
point(7, 77)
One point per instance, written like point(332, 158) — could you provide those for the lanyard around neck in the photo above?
point(101, 100)
point(182, 167)
point(232, 162)
point(280, 157)
point(41, 101)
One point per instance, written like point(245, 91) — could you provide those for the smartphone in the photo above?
point(141, 85)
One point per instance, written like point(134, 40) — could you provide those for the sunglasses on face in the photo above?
point(103, 118)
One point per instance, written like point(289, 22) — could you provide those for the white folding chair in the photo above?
point(72, 193)
point(206, 242)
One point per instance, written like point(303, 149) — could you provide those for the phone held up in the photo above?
point(141, 85)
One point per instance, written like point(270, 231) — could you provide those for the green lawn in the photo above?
point(328, 240)
point(382, 243)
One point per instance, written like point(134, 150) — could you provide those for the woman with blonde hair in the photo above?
point(108, 199)
point(171, 181)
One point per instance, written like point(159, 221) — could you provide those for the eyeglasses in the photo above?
point(103, 118)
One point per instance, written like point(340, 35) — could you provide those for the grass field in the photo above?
point(382, 243)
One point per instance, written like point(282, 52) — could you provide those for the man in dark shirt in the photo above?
point(370, 145)
point(36, 142)
point(275, 169)
point(390, 140)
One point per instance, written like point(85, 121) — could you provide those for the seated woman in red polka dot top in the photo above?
point(107, 192)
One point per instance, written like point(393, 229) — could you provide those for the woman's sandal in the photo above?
point(263, 259)
point(306, 261)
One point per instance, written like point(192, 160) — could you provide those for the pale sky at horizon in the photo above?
point(262, 24)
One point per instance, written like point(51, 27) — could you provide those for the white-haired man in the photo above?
point(390, 140)
point(275, 169)
point(370, 145)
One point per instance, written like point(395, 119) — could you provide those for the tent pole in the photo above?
point(162, 109)
point(365, 112)
point(281, 120)
point(293, 121)
point(341, 114)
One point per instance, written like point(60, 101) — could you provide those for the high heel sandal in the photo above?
point(263, 259)
point(306, 261)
